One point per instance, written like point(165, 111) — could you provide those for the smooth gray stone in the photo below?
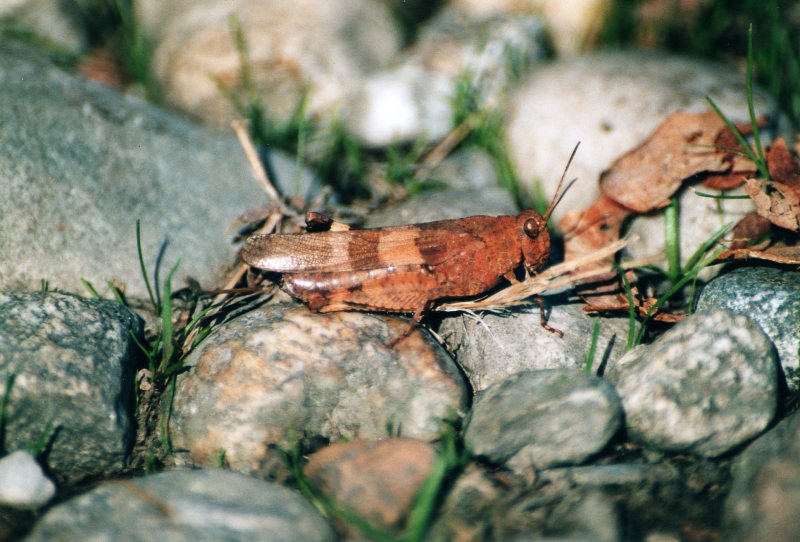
point(540, 419)
point(185, 506)
point(80, 163)
point(706, 386)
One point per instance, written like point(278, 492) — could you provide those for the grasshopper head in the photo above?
point(534, 240)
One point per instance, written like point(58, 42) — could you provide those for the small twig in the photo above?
point(443, 149)
point(258, 170)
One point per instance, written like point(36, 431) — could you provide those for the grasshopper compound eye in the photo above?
point(532, 228)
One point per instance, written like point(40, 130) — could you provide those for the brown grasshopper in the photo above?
point(404, 268)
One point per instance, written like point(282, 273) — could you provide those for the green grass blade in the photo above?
point(748, 151)
point(167, 329)
point(691, 275)
point(761, 163)
point(89, 288)
point(10, 377)
point(37, 447)
point(587, 365)
point(626, 284)
point(142, 266)
point(706, 246)
point(719, 196)
point(672, 243)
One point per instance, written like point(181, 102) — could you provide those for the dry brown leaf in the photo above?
point(727, 181)
point(782, 255)
point(682, 146)
point(775, 201)
point(782, 165)
point(749, 230)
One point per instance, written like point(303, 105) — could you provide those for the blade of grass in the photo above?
point(719, 196)
point(447, 463)
point(89, 288)
point(762, 163)
point(10, 377)
point(706, 246)
point(167, 329)
point(629, 343)
point(748, 151)
point(587, 366)
point(37, 447)
point(691, 275)
point(672, 244)
point(142, 266)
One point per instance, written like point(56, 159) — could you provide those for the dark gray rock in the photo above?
point(543, 418)
point(771, 297)
point(79, 164)
point(706, 386)
point(498, 346)
point(185, 506)
point(72, 360)
point(282, 372)
point(765, 494)
point(498, 506)
point(443, 205)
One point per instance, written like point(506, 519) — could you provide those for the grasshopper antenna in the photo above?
point(559, 193)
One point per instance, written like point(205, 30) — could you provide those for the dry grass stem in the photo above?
point(443, 149)
point(553, 278)
point(259, 172)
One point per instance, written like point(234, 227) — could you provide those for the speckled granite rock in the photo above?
point(282, 372)
point(72, 363)
point(771, 297)
point(705, 386)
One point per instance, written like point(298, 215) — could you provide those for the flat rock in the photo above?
point(540, 419)
point(378, 480)
point(72, 361)
point(558, 106)
point(22, 482)
point(495, 347)
point(281, 372)
point(706, 386)
point(765, 496)
point(80, 163)
point(771, 297)
point(324, 50)
point(185, 506)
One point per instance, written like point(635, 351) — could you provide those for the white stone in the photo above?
point(22, 482)
point(325, 48)
point(46, 18)
point(571, 24)
point(401, 105)
point(610, 102)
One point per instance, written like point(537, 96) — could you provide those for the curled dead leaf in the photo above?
point(775, 201)
point(684, 145)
